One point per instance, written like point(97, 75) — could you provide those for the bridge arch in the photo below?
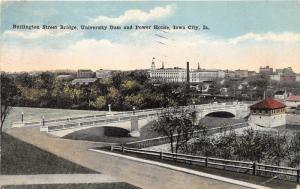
point(224, 114)
point(98, 133)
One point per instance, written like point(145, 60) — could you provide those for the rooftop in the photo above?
point(269, 104)
point(280, 93)
point(293, 98)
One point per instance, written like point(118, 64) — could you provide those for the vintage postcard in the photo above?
point(150, 94)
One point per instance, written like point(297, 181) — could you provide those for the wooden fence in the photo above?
point(253, 168)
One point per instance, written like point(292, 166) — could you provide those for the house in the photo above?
point(280, 95)
point(268, 113)
point(297, 110)
point(292, 101)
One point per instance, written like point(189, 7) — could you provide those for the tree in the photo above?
point(279, 149)
point(134, 100)
point(130, 87)
point(99, 103)
point(177, 124)
point(252, 145)
point(225, 144)
point(294, 150)
point(9, 92)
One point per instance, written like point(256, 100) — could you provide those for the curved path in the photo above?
point(55, 179)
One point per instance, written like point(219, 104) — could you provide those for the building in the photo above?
point(288, 78)
point(103, 74)
point(229, 74)
point(201, 75)
point(280, 95)
point(65, 77)
point(297, 110)
point(180, 74)
point(83, 81)
point(285, 71)
point(292, 101)
point(252, 74)
point(85, 74)
point(286, 74)
point(275, 77)
point(241, 73)
point(298, 78)
point(265, 71)
point(268, 113)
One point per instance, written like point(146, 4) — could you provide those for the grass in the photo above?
point(22, 158)
point(120, 185)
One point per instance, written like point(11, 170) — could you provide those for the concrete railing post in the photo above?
point(134, 123)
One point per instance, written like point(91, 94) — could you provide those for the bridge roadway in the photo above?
point(63, 126)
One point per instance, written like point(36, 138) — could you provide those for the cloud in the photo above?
point(35, 34)
point(286, 37)
point(135, 15)
point(210, 52)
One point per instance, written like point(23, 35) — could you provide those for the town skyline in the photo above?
point(193, 66)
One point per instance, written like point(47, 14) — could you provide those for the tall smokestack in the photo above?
point(188, 73)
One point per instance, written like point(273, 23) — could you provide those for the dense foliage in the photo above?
point(178, 124)
point(263, 147)
point(124, 90)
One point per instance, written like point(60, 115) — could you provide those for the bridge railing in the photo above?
point(47, 121)
point(93, 120)
point(253, 168)
point(66, 119)
point(90, 122)
point(79, 121)
point(164, 139)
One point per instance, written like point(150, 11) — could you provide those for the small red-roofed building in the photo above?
point(268, 113)
point(292, 101)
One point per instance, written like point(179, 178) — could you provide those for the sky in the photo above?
point(241, 35)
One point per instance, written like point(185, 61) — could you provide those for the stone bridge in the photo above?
point(132, 120)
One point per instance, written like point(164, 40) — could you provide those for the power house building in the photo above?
point(268, 113)
point(179, 75)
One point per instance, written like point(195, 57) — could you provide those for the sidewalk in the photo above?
point(55, 179)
